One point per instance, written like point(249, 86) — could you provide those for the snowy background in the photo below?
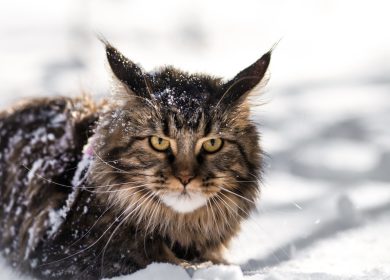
point(324, 212)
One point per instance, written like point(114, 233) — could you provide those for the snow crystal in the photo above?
point(81, 170)
point(11, 203)
point(51, 136)
point(36, 165)
point(190, 106)
point(59, 119)
point(33, 263)
point(55, 221)
point(30, 241)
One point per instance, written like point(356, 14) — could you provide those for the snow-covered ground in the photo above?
point(324, 211)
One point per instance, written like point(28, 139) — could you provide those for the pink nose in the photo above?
point(185, 178)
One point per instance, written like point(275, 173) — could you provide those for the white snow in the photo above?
point(325, 203)
point(36, 166)
point(156, 271)
point(341, 154)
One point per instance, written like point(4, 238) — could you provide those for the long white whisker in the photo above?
point(106, 162)
point(226, 190)
point(221, 211)
point(120, 190)
point(123, 220)
point(90, 246)
point(94, 224)
point(214, 218)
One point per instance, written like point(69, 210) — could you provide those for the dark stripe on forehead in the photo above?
point(165, 124)
point(207, 127)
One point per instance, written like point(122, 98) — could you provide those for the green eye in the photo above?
point(212, 145)
point(158, 143)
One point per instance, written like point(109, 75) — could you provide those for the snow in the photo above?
point(36, 165)
point(325, 202)
point(57, 217)
point(156, 271)
point(327, 259)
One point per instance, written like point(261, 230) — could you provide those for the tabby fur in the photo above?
point(81, 186)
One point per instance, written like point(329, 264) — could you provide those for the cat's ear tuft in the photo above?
point(126, 71)
point(244, 82)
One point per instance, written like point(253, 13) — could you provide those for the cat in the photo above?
point(164, 170)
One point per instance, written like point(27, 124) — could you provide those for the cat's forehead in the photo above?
point(184, 81)
point(189, 97)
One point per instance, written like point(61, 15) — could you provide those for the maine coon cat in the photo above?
point(164, 170)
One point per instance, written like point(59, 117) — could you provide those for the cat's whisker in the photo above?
point(236, 194)
point(53, 182)
point(121, 190)
point(214, 216)
point(153, 213)
point(122, 172)
point(124, 220)
point(238, 207)
point(240, 216)
point(234, 177)
point(75, 187)
point(89, 246)
point(117, 219)
point(258, 227)
point(89, 230)
point(258, 176)
point(150, 222)
point(208, 214)
point(141, 214)
point(226, 222)
point(113, 185)
point(106, 163)
point(235, 214)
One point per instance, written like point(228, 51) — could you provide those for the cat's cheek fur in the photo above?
point(184, 203)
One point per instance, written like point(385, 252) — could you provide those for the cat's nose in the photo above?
point(185, 177)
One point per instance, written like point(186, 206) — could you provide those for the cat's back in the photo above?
point(41, 143)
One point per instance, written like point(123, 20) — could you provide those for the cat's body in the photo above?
point(165, 173)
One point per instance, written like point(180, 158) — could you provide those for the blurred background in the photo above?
point(325, 123)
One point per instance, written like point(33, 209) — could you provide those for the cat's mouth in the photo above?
point(184, 201)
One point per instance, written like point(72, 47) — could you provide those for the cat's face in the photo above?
point(177, 140)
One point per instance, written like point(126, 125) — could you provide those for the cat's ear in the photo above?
point(126, 71)
point(243, 83)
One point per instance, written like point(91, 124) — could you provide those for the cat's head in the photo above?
point(180, 142)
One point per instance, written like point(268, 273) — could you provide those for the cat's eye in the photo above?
point(159, 144)
point(212, 145)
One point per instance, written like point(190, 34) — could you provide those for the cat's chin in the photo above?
point(184, 203)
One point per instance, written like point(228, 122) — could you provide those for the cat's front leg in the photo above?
point(215, 255)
